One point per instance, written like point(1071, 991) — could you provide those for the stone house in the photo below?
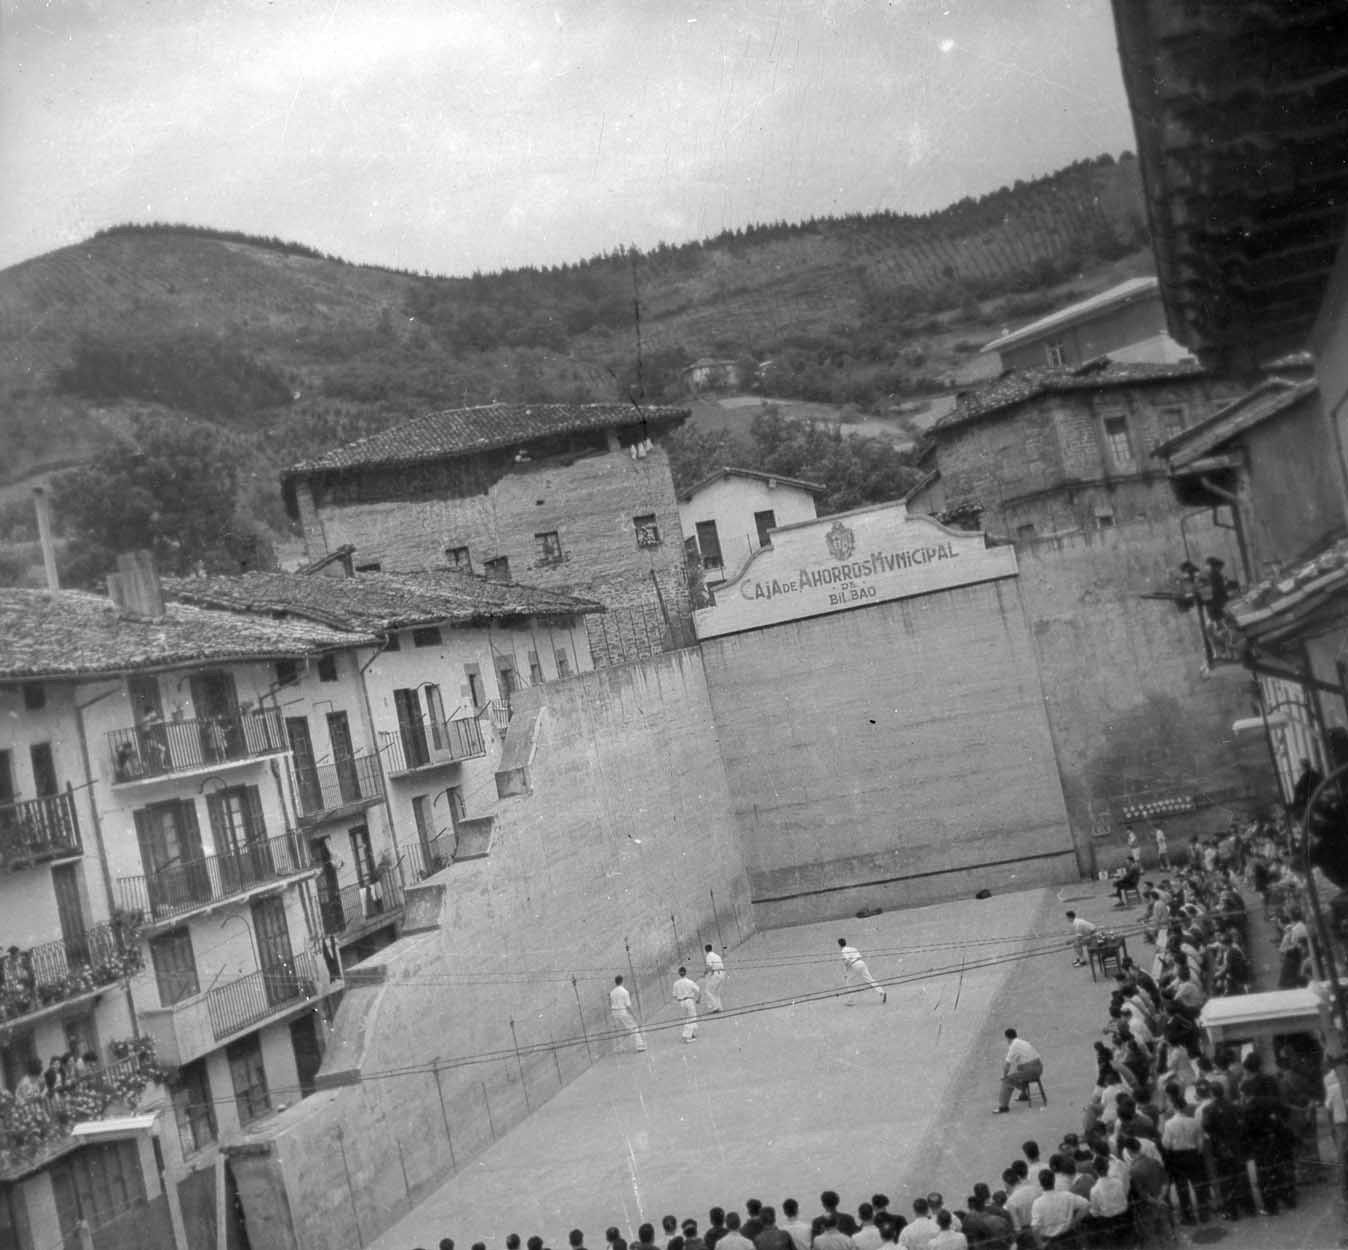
point(570, 497)
point(1059, 463)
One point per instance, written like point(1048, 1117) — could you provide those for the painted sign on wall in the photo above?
point(847, 561)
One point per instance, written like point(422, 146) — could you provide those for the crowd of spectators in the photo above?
point(1172, 1131)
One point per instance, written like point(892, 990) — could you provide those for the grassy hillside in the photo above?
point(291, 352)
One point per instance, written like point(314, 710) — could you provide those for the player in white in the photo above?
point(686, 994)
point(855, 970)
point(714, 978)
point(620, 1004)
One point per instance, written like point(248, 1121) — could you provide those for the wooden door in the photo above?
point(70, 910)
point(172, 855)
point(306, 769)
point(411, 728)
point(240, 835)
point(273, 950)
point(343, 756)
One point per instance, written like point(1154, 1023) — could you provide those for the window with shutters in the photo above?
point(535, 669)
point(193, 1107)
point(709, 545)
point(287, 672)
point(327, 667)
point(362, 855)
point(239, 831)
point(176, 873)
point(458, 558)
point(1119, 442)
point(175, 966)
point(249, 1077)
point(765, 522)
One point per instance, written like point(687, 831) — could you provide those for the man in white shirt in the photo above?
point(1162, 849)
point(620, 1005)
point(867, 1237)
point(798, 1229)
point(714, 977)
point(1337, 1107)
point(855, 971)
point(1020, 1198)
point(1021, 1067)
point(1055, 1211)
point(1082, 932)
point(918, 1232)
point(686, 994)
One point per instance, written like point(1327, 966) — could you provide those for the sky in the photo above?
point(460, 135)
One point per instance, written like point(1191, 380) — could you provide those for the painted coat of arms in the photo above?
point(841, 541)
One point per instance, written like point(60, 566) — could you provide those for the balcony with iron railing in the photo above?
point(498, 712)
point(197, 1025)
point(334, 791)
point(33, 831)
point(353, 910)
point(169, 748)
point(46, 979)
point(418, 746)
point(35, 1131)
point(190, 885)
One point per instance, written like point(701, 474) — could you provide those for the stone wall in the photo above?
point(890, 755)
point(621, 857)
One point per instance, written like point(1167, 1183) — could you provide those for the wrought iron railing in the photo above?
point(251, 999)
point(162, 748)
point(33, 830)
point(427, 744)
point(353, 906)
point(419, 859)
point(188, 884)
point(53, 972)
point(499, 711)
point(328, 788)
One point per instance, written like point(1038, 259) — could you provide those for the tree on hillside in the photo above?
point(171, 489)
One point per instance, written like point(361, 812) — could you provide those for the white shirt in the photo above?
point(714, 962)
point(686, 987)
point(1109, 1197)
point(1082, 927)
point(949, 1240)
point(1020, 1052)
point(867, 1237)
point(1055, 1211)
point(799, 1232)
point(850, 956)
point(917, 1234)
point(619, 999)
point(1159, 835)
point(1334, 1102)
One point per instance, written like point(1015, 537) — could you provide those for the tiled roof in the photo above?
point(1082, 310)
point(1270, 397)
point(76, 634)
point(1276, 605)
point(728, 471)
point(465, 431)
point(378, 602)
point(1018, 385)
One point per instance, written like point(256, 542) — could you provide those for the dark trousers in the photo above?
point(1187, 1170)
point(1275, 1170)
point(1233, 1185)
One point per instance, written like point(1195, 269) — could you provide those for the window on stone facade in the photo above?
point(1119, 442)
point(497, 569)
point(709, 545)
point(765, 521)
point(563, 664)
point(327, 668)
point(287, 672)
point(1055, 355)
point(458, 558)
point(426, 636)
point(175, 967)
point(1104, 519)
point(648, 532)
point(34, 696)
point(548, 547)
point(249, 1077)
point(1170, 420)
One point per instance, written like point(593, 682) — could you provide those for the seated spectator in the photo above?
point(1125, 878)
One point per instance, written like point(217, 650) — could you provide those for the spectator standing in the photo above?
point(919, 1231)
point(867, 1237)
point(832, 1237)
point(734, 1239)
point(947, 1236)
point(772, 1237)
point(1162, 848)
point(798, 1229)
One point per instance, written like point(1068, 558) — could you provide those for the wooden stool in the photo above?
point(1030, 1086)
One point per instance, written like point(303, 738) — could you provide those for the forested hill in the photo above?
point(289, 352)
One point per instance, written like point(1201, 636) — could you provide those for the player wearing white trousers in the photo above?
point(714, 978)
point(620, 1004)
point(855, 972)
point(686, 994)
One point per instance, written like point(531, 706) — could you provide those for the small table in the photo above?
point(1108, 953)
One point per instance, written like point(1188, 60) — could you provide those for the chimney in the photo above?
point(134, 589)
point(43, 506)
